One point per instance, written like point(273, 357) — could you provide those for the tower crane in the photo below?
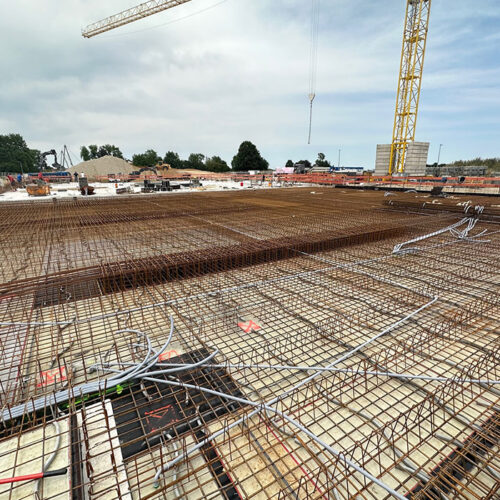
point(140, 11)
point(410, 81)
point(410, 73)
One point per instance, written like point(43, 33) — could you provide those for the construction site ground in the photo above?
point(308, 359)
point(109, 189)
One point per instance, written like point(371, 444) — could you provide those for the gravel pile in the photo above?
point(103, 166)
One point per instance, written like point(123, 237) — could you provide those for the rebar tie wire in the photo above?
point(461, 235)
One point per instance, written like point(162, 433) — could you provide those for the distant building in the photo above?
point(257, 172)
point(315, 169)
point(415, 163)
point(284, 170)
point(348, 170)
point(457, 171)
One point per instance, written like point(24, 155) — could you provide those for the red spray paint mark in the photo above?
point(167, 355)
point(50, 377)
point(250, 326)
point(160, 417)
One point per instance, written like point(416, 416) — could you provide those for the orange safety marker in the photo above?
point(50, 377)
point(250, 326)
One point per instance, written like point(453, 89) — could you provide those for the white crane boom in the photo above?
point(129, 16)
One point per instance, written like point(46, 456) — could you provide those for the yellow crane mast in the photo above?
point(129, 16)
point(410, 81)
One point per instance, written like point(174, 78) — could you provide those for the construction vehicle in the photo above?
point(162, 168)
point(159, 169)
point(40, 187)
point(42, 164)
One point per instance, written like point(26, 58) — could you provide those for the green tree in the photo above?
point(248, 158)
point(289, 164)
point(16, 156)
point(93, 151)
point(173, 160)
point(147, 159)
point(109, 150)
point(493, 164)
point(306, 163)
point(85, 153)
point(195, 161)
point(216, 164)
point(322, 161)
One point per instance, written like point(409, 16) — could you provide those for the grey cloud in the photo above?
point(236, 72)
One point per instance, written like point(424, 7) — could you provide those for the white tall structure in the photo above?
point(416, 159)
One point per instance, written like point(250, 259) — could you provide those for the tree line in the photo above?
point(16, 156)
point(493, 164)
point(93, 151)
point(247, 158)
point(196, 161)
point(321, 161)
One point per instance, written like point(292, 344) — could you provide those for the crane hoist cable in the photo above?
point(313, 59)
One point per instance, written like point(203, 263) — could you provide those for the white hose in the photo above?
point(260, 407)
point(48, 463)
point(91, 387)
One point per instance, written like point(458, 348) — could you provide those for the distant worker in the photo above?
point(40, 180)
point(20, 179)
point(12, 182)
point(75, 175)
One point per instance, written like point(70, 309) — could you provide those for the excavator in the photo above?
point(40, 187)
point(42, 164)
point(162, 168)
point(159, 169)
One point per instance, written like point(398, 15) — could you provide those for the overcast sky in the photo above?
point(203, 82)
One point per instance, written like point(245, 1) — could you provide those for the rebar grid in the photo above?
point(280, 285)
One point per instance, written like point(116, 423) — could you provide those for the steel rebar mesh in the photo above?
point(277, 282)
